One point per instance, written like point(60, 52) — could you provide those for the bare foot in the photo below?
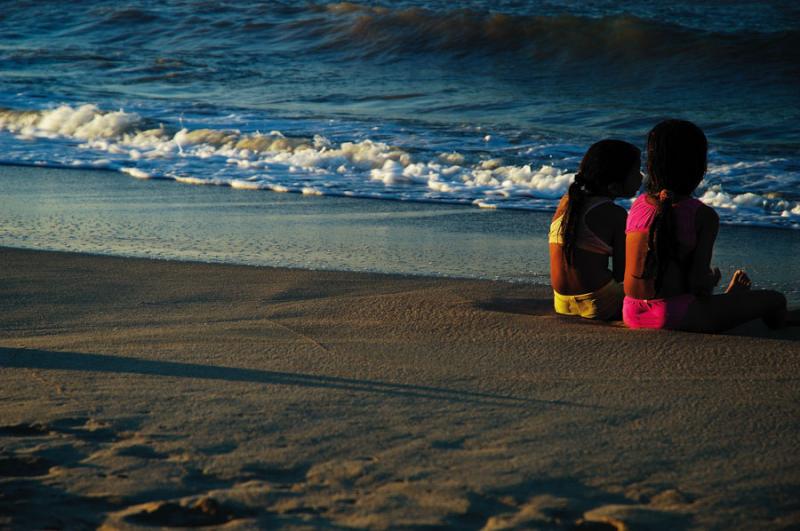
point(739, 282)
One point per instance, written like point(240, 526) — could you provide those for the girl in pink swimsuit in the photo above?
point(669, 241)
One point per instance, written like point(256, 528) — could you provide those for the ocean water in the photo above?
point(480, 103)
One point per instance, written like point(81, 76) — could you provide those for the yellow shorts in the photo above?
point(604, 304)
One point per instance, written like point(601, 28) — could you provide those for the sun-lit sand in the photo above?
point(143, 393)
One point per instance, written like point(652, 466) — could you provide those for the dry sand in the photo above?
point(138, 393)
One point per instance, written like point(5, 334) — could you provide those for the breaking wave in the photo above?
point(316, 165)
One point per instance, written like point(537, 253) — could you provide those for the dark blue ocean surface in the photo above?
point(477, 102)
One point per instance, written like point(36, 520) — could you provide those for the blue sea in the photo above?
point(479, 103)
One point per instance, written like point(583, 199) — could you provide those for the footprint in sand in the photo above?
point(23, 466)
point(141, 451)
point(26, 464)
point(274, 474)
point(24, 430)
point(86, 429)
point(624, 517)
point(203, 512)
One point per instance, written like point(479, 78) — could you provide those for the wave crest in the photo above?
point(367, 168)
point(381, 31)
point(84, 122)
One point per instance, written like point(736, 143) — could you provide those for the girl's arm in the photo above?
point(618, 244)
point(702, 278)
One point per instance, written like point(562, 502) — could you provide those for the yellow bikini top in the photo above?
point(586, 240)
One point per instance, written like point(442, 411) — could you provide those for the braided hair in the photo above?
point(677, 156)
point(605, 162)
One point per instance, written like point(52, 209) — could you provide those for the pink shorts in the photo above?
point(656, 313)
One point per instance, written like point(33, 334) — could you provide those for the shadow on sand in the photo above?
point(544, 307)
point(521, 306)
point(76, 361)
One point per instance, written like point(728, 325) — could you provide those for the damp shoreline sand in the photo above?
point(147, 393)
point(102, 212)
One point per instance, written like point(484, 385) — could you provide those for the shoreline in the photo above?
point(144, 392)
point(112, 214)
point(548, 209)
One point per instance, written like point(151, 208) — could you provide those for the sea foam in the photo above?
point(318, 166)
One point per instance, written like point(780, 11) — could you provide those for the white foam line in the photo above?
point(136, 173)
point(316, 166)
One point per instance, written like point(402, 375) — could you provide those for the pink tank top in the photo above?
point(642, 213)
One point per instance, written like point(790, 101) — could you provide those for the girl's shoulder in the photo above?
point(643, 200)
point(705, 214)
point(692, 203)
point(641, 215)
point(562, 205)
point(693, 211)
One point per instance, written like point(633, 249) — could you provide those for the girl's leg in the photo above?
point(728, 310)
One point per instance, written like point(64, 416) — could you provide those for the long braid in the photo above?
point(576, 197)
point(662, 243)
point(676, 162)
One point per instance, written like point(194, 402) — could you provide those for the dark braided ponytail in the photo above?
point(662, 244)
point(677, 155)
point(605, 162)
point(576, 196)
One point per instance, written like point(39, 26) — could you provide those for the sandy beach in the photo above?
point(141, 393)
point(286, 265)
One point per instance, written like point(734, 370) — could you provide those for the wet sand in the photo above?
point(109, 213)
point(140, 393)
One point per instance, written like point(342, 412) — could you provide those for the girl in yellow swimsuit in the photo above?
point(588, 229)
